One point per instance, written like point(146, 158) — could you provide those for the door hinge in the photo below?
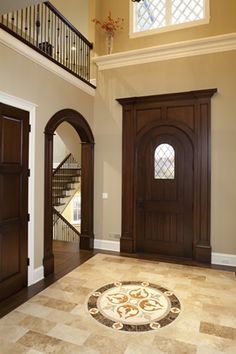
point(28, 218)
point(28, 172)
point(28, 261)
point(29, 128)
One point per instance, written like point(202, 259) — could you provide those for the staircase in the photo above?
point(65, 183)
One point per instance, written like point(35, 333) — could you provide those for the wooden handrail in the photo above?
point(65, 221)
point(61, 164)
point(58, 14)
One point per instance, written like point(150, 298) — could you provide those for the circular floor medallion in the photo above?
point(134, 306)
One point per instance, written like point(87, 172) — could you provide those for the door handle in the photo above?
point(140, 203)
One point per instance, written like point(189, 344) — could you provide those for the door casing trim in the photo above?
point(31, 108)
point(79, 123)
point(200, 101)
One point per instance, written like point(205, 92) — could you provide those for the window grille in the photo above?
point(164, 162)
point(158, 14)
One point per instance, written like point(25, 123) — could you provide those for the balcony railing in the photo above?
point(45, 29)
point(63, 230)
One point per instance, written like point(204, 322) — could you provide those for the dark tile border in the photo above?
point(92, 304)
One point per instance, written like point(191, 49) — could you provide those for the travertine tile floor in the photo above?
point(57, 321)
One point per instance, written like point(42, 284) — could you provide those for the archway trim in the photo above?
point(84, 131)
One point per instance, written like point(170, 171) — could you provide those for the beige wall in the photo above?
point(76, 11)
point(222, 20)
point(71, 140)
point(25, 79)
point(52, 94)
point(60, 150)
point(10, 5)
point(200, 72)
point(68, 211)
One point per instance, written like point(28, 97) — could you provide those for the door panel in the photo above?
point(188, 112)
point(14, 135)
point(11, 131)
point(164, 199)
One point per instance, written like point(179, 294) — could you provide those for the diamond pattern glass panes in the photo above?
point(187, 10)
point(164, 162)
point(150, 14)
point(157, 14)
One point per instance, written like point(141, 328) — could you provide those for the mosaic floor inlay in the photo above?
point(57, 320)
point(134, 306)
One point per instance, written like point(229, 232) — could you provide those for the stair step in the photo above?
point(71, 168)
point(63, 178)
point(67, 174)
point(60, 195)
point(58, 204)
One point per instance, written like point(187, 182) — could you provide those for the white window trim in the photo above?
point(167, 28)
point(75, 222)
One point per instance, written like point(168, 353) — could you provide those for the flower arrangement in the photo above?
point(110, 25)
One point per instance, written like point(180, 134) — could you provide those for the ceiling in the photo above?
point(10, 5)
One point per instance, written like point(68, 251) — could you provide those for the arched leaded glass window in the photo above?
point(164, 162)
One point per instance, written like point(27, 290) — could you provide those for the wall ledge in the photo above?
point(9, 41)
point(208, 45)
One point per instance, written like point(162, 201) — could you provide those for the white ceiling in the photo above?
point(10, 5)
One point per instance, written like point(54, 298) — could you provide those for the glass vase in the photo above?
point(109, 42)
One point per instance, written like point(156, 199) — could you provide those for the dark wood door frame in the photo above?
point(14, 159)
point(197, 128)
point(83, 129)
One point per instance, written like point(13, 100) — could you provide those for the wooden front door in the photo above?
point(14, 136)
point(164, 193)
point(169, 216)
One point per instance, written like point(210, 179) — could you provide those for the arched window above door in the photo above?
point(164, 162)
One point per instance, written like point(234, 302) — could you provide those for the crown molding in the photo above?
point(13, 43)
point(208, 45)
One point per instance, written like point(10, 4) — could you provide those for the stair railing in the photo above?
point(60, 177)
point(46, 30)
point(63, 230)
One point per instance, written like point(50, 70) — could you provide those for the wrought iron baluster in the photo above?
point(48, 27)
point(30, 24)
point(44, 27)
point(41, 20)
point(61, 42)
point(37, 24)
point(26, 23)
point(34, 24)
point(12, 21)
point(58, 39)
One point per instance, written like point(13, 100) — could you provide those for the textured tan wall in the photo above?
point(71, 139)
point(60, 151)
point(223, 20)
point(200, 72)
point(76, 11)
point(35, 84)
point(11, 5)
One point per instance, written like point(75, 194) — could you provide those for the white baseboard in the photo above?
point(223, 259)
point(35, 275)
point(107, 245)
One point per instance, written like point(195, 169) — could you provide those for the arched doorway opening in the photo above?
point(81, 126)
